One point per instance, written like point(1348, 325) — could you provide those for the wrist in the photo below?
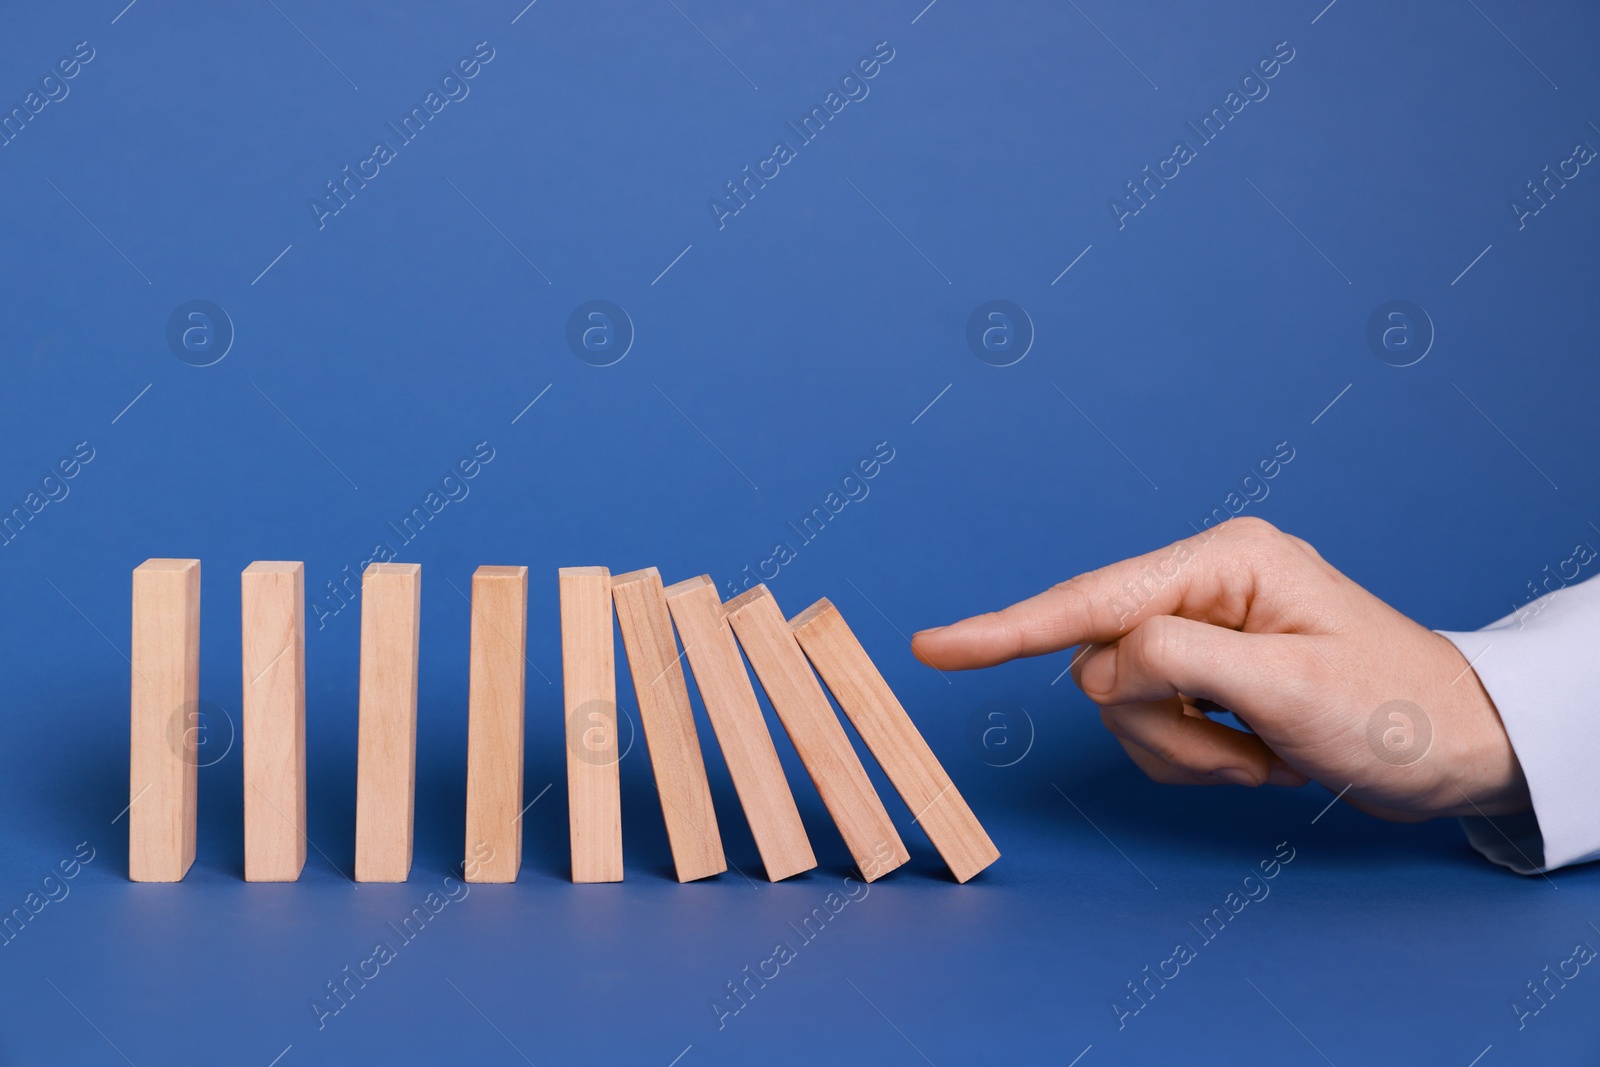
point(1483, 774)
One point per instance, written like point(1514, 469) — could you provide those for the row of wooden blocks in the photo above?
point(783, 653)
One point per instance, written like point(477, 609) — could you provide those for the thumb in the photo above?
point(1264, 677)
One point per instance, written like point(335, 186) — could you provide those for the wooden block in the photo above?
point(386, 747)
point(273, 627)
point(495, 723)
point(657, 670)
point(893, 739)
point(740, 728)
point(589, 683)
point(808, 718)
point(164, 721)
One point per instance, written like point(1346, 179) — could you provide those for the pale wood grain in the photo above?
point(164, 719)
point(815, 730)
point(273, 643)
point(725, 689)
point(386, 756)
point(893, 739)
point(589, 685)
point(669, 731)
point(495, 722)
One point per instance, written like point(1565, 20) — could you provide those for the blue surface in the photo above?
point(768, 357)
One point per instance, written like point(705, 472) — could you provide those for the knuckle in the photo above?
point(1302, 544)
point(1252, 531)
point(1074, 588)
point(1153, 767)
point(1262, 548)
point(1095, 614)
point(1145, 729)
point(1304, 550)
point(1005, 623)
point(1163, 747)
point(1156, 640)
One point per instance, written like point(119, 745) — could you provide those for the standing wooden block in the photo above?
point(164, 729)
point(589, 682)
point(668, 720)
point(891, 736)
point(815, 730)
point(273, 617)
point(741, 731)
point(495, 723)
point(386, 747)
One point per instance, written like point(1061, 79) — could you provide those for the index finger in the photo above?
point(1196, 578)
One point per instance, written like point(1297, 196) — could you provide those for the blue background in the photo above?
point(1178, 351)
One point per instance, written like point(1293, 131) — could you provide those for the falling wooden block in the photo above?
point(893, 739)
point(164, 719)
point(589, 683)
point(386, 748)
point(815, 730)
point(495, 723)
point(273, 626)
point(730, 702)
point(668, 720)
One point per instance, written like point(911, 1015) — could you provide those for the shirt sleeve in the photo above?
point(1541, 667)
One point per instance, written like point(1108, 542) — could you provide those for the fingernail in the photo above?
point(929, 632)
point(1100, 673)
point(1235, 776)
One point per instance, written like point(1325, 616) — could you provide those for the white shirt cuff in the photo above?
point(1541, 667)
